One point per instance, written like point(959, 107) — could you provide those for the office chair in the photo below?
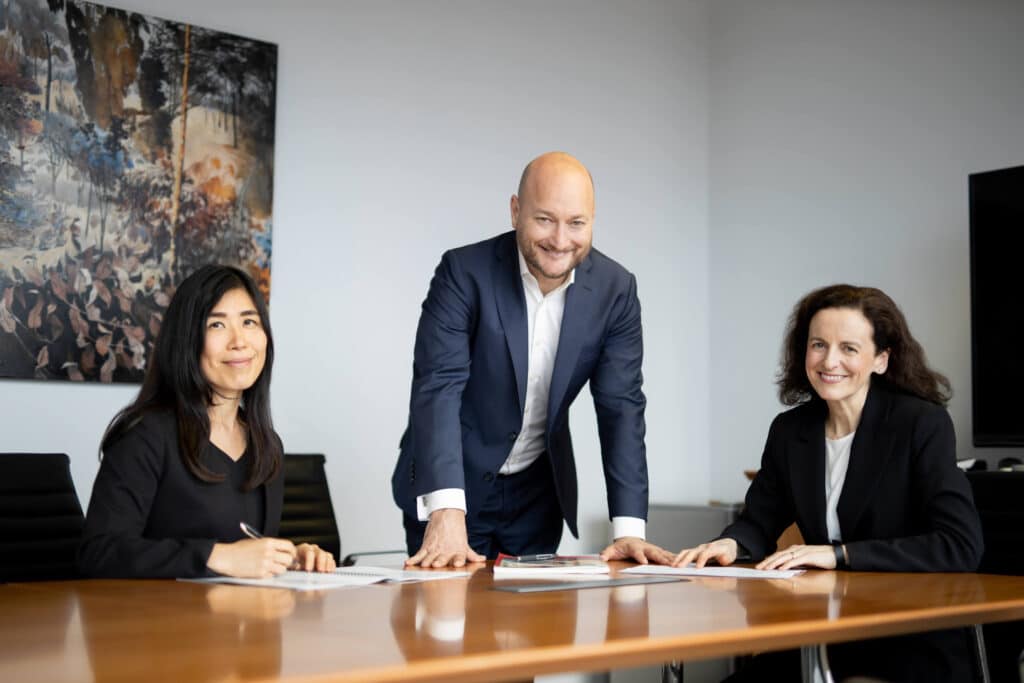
point(997, 497)
point(307, 515)
point(41, 519)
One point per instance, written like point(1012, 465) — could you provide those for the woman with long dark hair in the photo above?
point(865, 465)
point(190, 481)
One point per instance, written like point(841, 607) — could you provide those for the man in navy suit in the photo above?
point(511, 330)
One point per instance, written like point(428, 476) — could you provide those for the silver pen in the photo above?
point(249, 531)
point(252, 533)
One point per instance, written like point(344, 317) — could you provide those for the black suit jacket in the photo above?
point(905, 506)
point(150, 517)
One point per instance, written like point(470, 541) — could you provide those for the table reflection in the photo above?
point(629, 613)
point(835, 595)
point(242, 624)
point(464, 616)
point(32, 626)
point(261, 604)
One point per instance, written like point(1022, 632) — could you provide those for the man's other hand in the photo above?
point(638, 550)
point(445, 542)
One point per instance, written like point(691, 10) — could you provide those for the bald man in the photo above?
point(511, 330)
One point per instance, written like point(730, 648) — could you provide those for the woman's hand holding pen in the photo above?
point(253, 558)
point(260, 557)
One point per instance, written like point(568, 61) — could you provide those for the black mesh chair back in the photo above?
point(998, 496)
point(307, 515)
point(40, 517)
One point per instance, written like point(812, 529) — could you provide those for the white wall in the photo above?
point(841, 139)
point(841, 135)
point(402, 129)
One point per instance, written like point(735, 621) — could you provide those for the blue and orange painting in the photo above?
point(132, 151)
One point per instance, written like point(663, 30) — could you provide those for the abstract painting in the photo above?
point(132, 151)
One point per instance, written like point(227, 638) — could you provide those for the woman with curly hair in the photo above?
point(865, 465)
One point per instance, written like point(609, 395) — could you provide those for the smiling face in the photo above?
point(841, 356)
point(553, 216)
point(234, 345)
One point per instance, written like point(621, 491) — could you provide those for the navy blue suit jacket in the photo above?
point(469, 379)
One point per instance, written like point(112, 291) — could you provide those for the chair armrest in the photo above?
point(352, 558)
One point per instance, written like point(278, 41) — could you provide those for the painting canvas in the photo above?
point(132, 151)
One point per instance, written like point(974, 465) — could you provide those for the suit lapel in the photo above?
point(578, 301)
point(511, 304)
point(807, 474)
point(868, 453)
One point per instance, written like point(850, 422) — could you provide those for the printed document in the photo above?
point(342, 577)
point(724, 572)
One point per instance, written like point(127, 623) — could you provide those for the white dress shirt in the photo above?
point(544, 326)
point(543, 330)
point(837, 460)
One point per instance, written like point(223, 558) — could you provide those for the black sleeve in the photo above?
point(113, 544)
point(953, 541)
point(768, 507)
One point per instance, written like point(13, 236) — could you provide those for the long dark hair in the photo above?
point(908, 369)
point(174, 382)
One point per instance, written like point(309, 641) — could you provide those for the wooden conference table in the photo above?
point(459, 629)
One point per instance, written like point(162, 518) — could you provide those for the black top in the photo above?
point(150, 517)
point(905, 506)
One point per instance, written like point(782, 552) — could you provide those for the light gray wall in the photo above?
point(402, 129)
point(841, 139)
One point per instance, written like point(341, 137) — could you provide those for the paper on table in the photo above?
point(551, 577)
point(398, 575)
point(342, 577)
point(297, 581)
point(725, 572)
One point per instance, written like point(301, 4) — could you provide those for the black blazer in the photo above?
point(150, 517)
point(905, 506)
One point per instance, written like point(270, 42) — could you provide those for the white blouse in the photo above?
point(837, 460)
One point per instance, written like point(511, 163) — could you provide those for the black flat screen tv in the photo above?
point(997, 306)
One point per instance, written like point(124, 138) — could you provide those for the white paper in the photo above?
point(722, 572)
point(398, 575)
point(297, 581)
point(342, 577)
point(552, 577)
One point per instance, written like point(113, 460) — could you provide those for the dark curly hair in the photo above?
point(908, 369)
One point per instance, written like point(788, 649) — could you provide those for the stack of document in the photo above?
point(549, 566)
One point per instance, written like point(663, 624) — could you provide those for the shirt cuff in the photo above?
point(436, 500)
point(629, 526)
